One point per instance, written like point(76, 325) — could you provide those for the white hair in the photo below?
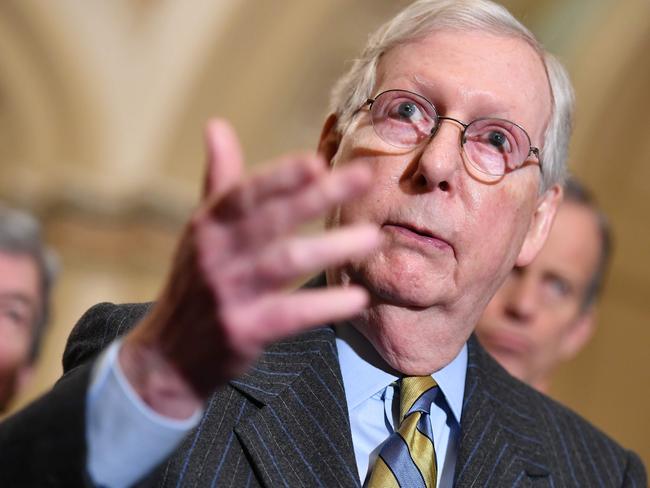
point(426, 16)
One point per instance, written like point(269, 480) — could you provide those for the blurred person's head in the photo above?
point(544, 313)
point(27, 270)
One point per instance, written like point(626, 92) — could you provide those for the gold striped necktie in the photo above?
point(407, 458)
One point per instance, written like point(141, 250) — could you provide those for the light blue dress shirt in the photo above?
point(125, 437)
point(373, 413)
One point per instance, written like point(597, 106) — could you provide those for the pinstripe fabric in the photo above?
point(285, 424)
point(257, 426)
point(512, 435)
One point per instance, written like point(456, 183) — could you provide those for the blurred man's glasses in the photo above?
point(493, 146)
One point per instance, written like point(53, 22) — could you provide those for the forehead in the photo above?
point(473, 74)
point(574, 245)
point(19, 276)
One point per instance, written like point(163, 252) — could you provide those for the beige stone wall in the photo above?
point(102, 104)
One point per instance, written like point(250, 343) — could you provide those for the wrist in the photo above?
point(158, 384)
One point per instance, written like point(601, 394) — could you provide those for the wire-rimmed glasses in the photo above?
point(493, 146)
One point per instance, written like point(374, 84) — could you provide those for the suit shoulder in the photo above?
point(97, 328)
point(578, 438)
point(564, 422)
point(569, 442)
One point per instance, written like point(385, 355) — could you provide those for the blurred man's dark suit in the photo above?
point(286, 424)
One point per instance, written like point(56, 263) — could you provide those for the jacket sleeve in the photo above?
point(44, 444)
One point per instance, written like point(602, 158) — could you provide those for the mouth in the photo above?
point(419, 234)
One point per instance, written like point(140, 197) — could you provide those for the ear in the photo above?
point(579, 334)
point(330, 138)
point(540, 225)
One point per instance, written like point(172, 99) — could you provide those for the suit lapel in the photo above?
point(301, 434)
point(500, 442)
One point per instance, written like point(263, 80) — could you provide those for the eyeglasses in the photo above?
point(493, 146)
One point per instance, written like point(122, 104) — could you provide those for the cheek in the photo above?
point(546, 347)
point(555, 327)
point(381, 199)
point(11, 356)
point(493, 311)
point(14, 349)
point(491, 230)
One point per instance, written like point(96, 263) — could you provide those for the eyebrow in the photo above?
point(482, 105)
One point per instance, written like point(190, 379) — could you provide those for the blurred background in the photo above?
point(101, 112)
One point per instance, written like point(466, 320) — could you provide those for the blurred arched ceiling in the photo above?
point(102, 106)
point(102, 97)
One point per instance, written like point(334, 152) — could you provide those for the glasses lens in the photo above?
point(496, 146)
point(402, 118)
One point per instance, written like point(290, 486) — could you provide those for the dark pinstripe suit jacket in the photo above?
point(286, 424)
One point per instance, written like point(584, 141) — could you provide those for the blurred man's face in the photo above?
point(449, 237)
point(19, 305)
point(537, 319)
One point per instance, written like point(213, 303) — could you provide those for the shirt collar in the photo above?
point(365, 373)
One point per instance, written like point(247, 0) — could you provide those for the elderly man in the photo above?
point(544, 313)
point(446, 142)
point(27, 271)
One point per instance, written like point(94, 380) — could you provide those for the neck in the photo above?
point(413, 342)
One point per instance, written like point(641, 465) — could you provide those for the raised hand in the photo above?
point(226, 296)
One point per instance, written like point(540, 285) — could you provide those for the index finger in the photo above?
point(224, 158)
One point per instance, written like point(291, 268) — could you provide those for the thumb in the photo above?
point(224, 159)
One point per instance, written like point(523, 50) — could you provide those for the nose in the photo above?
point(520, 303)
point(440, 160)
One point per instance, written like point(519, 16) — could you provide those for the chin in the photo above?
point(393, 346)
point(401, 284)
point(408, 344)
point(512, 366)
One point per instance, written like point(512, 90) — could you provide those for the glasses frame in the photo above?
point(463, 139)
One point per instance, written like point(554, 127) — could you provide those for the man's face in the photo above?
point(19, 305)
point(449, 238)
point(537, 319)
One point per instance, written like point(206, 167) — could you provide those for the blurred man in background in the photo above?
point(27, 270)
point(544, 313)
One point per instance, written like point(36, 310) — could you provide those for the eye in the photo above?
point(497, 139)
point(15, 313)
point(557, 287)
point(495, 135)
point(17, 318)
point(401, 118)
point(408, 111)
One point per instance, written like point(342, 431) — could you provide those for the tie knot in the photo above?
point(416, 395)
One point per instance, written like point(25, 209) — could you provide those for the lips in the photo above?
point(419, 234)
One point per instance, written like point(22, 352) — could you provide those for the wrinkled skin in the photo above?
point(428, 292)
point(538, 318)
